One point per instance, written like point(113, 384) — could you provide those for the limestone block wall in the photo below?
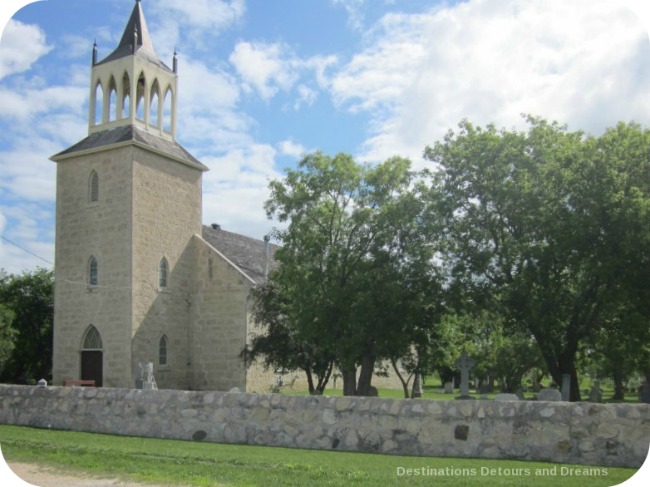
point(166, 214)
point(219, 321)
point(101, 229)
point(582, 433)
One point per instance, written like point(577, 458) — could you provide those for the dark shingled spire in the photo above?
point(136, 40)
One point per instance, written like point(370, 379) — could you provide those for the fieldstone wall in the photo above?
point(582, 433)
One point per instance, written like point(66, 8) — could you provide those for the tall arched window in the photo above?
point(162, 351)
point(167, 111)
point(126, 96)
point(98, 104)
point(163, 269)
point(139, 97)
point(154, 101)
point(93, 187)
point(93, 275)
point(112, 100)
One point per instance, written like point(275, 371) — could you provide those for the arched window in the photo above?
point(92, 340)
point(210, 269)
point(112, 100)
point(162, 273)
point(167, 111)
point(93, 277)
point(154, 101)
point(93, 187)
point(98, 104)
point(139, 97)
point(126, 96)
point(162, 351)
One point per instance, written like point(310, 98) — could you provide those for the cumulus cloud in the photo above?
point(21, 46)
point(581, 62)
point(264, 67)
point(237, 186)
point(212, 15)
point(290, 148)
point(268, 68)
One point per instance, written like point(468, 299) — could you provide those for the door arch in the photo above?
point(92, 357)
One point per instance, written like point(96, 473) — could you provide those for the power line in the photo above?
point(25, 250)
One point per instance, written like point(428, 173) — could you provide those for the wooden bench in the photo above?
point(78, 383)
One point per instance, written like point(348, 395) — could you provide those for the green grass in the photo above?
point(434, 392)
point(208, 464)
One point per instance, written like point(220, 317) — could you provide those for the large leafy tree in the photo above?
point(351, 262)
point(30, 299)
point(7, 335)
point(547, 227)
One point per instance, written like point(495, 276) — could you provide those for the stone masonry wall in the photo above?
point(101, 229)
point(582, 433)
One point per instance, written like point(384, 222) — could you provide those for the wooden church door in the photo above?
point(92, 357)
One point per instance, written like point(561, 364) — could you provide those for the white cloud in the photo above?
point(264, 67)
point(290, 148)
point(354, 8)
point(271, 68)
point(581, 62)
point(21, 46)
point(203, 14)
point(236, 188)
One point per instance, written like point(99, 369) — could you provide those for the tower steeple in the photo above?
point(132, 86)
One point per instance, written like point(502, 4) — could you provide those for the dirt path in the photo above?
point(42, 476)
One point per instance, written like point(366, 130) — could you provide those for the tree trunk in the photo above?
point(619, 387)
point(349, 381)
point(323, 381)
point(310, 380)
point(405, 383)
point(365, 375)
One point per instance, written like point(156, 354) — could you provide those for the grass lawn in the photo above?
point(434, 391)
point(209, 464)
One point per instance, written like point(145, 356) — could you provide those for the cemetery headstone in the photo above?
point(566, 387)
point(549, 394)
point(520, 395)
point(464, 364)
point(449, 387)
point(596, 395)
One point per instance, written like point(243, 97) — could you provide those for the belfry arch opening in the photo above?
point(168, 103)
point(154, 105)
point(126, 96)
point(140, 97)
point(98, 104)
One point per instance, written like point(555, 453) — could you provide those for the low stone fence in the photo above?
point(582, 433)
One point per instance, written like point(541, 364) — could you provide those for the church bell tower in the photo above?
point(128, 205)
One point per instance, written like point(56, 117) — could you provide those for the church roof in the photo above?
point(247, 253)
point(131, 133)
point(136, 28)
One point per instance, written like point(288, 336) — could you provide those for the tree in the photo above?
point(546, 227)
point(348, 260)
point(30, 298)
point(279, 347)
point(7, 336)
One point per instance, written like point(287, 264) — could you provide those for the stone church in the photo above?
point(139, 279)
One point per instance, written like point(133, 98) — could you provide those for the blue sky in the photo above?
point(264, 81)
